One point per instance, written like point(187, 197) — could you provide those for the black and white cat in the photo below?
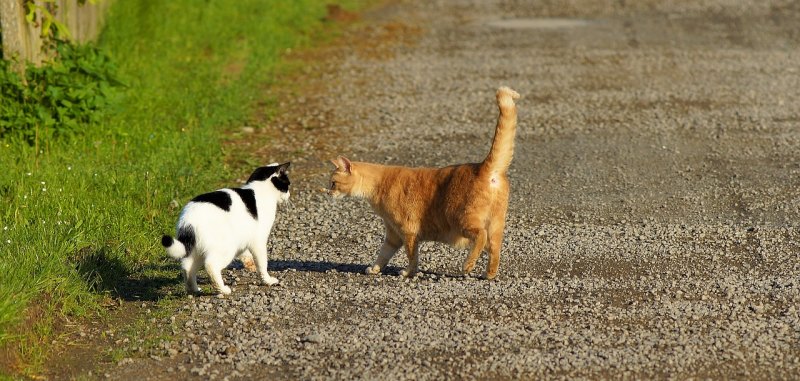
point(214, 228)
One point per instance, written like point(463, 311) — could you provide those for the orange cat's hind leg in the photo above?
point(479, 237)
point(391, 243)
point(496, 226)
point(412, 249)
point(495, 242)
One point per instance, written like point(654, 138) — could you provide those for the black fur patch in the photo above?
point(281, 182)
point(262, 173)
point(186, 237)
point(248, 196)
point(166, 241)
point(219, 198)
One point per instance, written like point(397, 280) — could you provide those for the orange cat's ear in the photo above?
point(342, 164)
point(346, 165)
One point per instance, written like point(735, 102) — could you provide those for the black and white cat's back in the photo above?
point(215, 227)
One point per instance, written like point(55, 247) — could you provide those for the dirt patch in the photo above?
point(85, 343)
point(83, 347)
point(303, 124)
point(336, 13)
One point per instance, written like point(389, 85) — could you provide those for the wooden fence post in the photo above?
point(21, 39)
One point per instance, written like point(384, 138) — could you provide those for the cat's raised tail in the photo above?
point(175, 249)
point(180, 247)
point(499, 158)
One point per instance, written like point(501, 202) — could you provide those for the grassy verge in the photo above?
point(79, 215)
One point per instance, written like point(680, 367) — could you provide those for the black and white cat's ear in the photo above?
point(263, 173)
point(260, 174)
point(283, 168)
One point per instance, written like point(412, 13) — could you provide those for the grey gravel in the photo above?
point(653, 223)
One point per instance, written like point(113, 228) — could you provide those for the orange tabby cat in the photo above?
point(461, 205)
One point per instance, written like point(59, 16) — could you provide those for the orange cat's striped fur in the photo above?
point(463, 205)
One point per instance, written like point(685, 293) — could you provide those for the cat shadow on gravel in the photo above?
point(324, 266)
point(321, 266)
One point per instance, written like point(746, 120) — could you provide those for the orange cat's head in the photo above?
point(343, 181)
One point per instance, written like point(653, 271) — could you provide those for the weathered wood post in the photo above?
point(21, 39)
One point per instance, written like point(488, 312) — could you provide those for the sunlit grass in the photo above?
point(78, 215)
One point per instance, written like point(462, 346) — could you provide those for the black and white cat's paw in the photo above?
point(270, 280)
point(224, 290)
point(193, 290)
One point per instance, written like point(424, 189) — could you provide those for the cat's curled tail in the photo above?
point(180, 247)
point(499, 158)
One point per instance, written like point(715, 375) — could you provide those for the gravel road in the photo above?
point(653, 222)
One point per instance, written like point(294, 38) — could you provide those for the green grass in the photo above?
point(78, 215)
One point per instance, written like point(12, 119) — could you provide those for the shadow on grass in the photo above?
point(106, 272)
point(154, 282)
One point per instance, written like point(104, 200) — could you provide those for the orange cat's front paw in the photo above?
point(468, 268)
point(249, 264)
point(490, 275)
point(408, 272)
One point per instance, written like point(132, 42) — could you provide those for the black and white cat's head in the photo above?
point(274, 175)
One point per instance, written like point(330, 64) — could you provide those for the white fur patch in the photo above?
point(222, 235)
